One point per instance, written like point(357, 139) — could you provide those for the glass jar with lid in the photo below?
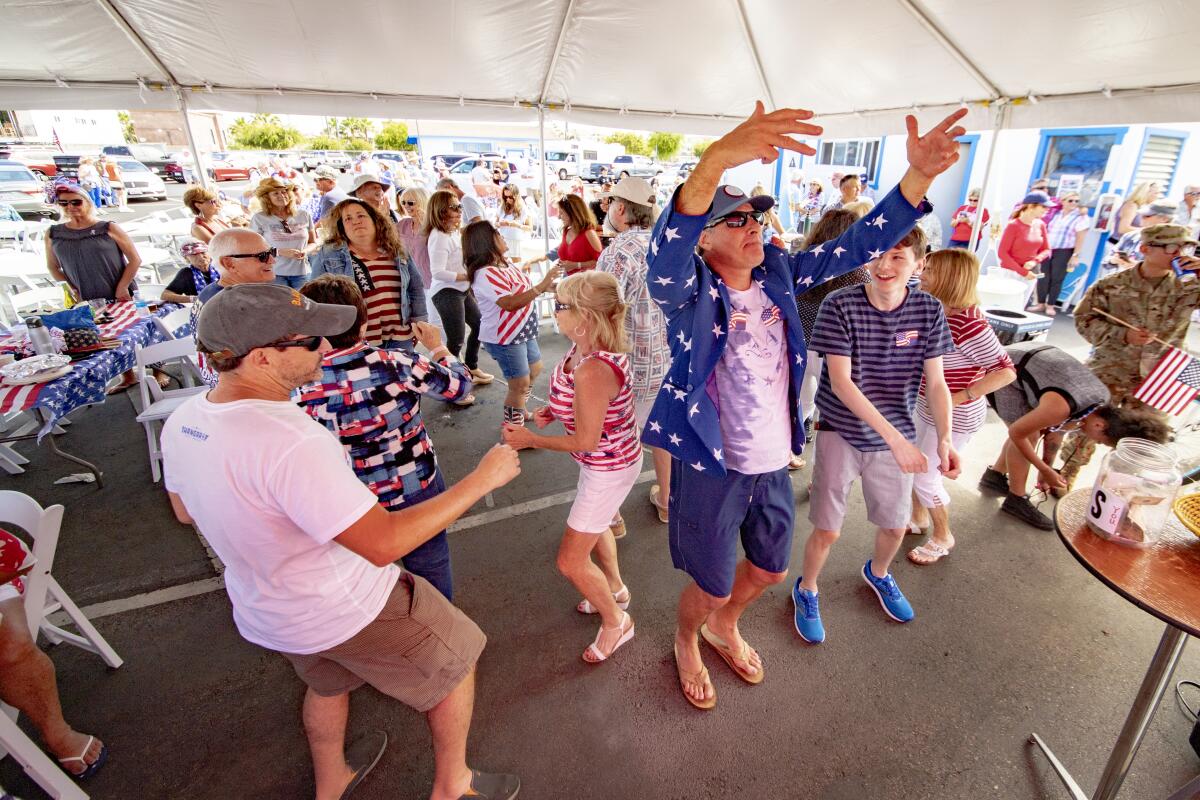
point(1132, 496)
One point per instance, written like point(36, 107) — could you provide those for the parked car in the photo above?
point(564, 164)
point(40, 162)
point(598, 172)
point(289, 158)
point(180, 168)
point(66, 165)
point(338, 159)
point(310, 160)
point(636, 166)
point(225, 167)
point(461, 171)
point(152, 155)
point(389, 155)
point(140, 180)
point(450, 159)
point(23, 190)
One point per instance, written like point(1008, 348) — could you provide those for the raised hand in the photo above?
point(759, 136)
point(934, 153)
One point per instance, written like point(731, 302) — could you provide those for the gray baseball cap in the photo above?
point(326, 171)
point(250, 315)
point(1162, 208)
point(729, 197)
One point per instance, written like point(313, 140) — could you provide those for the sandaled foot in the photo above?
point(492, 786)
point(696, 686)
point(609, 640)
point(930, 552)
point(656, 500)
point(743, 660)
point(469, 400)
point(618, 528)
point(362, 757)
point(120, 387)
point(622, 598)
point(92, 755)
point(796, 462)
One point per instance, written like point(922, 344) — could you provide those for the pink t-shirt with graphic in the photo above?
point(751, 385)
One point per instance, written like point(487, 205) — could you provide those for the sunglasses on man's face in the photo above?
point(264, 256)
point(738, 219)
point(310, 343)
point(73, 203)
point(1177, 249)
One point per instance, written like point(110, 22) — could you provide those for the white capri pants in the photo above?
point(928, 485)
point(599, 495)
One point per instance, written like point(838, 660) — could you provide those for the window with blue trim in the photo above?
point(852, 153)
point(1084, 154)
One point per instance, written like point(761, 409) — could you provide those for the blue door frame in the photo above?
point(971, 139)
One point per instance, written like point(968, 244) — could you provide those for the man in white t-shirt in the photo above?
point(307, 548)
point(472, 209)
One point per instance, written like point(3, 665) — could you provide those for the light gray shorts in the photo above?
point(887, 490)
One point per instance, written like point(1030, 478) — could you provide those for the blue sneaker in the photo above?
point(894, 603)
point(808, 614)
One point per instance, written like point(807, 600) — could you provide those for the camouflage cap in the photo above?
point(1159, 235)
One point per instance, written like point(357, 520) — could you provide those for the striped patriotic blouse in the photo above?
point(977, 352)
point(498, 326)
point(619, 446)
point(384, 323)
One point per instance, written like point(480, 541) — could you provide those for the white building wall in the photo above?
point(75, 129)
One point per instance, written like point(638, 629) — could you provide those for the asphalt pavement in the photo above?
point(1012, 636)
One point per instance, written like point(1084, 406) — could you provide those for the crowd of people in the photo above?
point(694, 333)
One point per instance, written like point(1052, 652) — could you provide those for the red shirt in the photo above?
point(579, 249)
point(962, 231)
point(1021, 243)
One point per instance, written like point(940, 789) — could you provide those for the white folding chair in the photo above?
point(43, 597)
point(151, 291)
point(46, 299)
point(159, 403)
point(172, 322)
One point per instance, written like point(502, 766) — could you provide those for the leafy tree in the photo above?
point(356, 144)
point(699, 147)
point(393, 136)
point(127, 127)
point(664, 145)
point(634, 144)
point(335, 128)
point(263, 132)
point(358, 127)
point(323, 142)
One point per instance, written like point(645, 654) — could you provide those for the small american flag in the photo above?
point(770, 316)
point(738, 319)
point(1172, 384)
point(57, 141)
point(906, 338)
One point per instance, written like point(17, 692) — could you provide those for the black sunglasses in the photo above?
point(561, 306)
point(75, 203)
point(408, 202)
point(737, 219)
point(264, 256)
point(310, 343)
point(454, 208)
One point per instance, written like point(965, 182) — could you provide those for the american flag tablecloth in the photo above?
point(85, 383)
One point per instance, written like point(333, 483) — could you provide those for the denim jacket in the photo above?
point(336, 260)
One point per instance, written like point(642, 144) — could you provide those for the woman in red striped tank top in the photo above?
point(591, 396)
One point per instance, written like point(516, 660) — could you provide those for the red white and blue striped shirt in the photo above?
point(619, 446)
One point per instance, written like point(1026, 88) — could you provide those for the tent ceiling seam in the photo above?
point(754, 56)
point(552, 67)
point(923, 17)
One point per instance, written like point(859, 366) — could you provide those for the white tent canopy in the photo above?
point(860, 66)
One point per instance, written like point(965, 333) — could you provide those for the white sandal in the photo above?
point(593, 649)
point(585, 606)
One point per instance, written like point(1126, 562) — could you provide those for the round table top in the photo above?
point(1162, 579)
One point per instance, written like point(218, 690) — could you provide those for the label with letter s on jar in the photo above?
point(1106, 510)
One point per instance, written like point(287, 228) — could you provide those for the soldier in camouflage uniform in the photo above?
point(1154, 300)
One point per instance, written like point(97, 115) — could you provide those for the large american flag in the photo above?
point(1173, 383)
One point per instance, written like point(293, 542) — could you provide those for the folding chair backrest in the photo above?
point(43, 524)
point(172, 350)
point(173, 321)
point(49, 298)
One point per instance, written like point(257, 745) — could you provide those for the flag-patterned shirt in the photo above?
point(887, 351)
point(684, 420)
point(619, 447)
point(384, 322)
point(645, 325)
point(371, 400)
point(977, 352)
point(498, 326)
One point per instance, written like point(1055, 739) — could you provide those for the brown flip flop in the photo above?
point(701, 678)
point(725, 652)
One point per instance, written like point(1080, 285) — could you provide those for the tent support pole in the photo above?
point(201, 173)
point(754, 56)
point(950, 47)
point(1000, 124)
point(552, 67)
point(542, 169)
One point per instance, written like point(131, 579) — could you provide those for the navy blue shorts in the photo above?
point(710, 514)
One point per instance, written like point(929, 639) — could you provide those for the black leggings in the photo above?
point(1049, 285)
point(458, 311)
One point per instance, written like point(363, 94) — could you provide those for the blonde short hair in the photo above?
point(196, 195)
point(596, 298)
point(952, 276)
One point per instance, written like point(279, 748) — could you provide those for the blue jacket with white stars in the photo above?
point(683, 420)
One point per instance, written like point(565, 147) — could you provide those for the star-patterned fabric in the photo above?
point(685, 420)
point(84, 384)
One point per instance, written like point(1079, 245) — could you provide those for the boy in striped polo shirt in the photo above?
point(878, 340)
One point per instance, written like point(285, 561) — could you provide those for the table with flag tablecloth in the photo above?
point(88, 378)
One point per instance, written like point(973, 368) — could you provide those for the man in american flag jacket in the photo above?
point(728, 411)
